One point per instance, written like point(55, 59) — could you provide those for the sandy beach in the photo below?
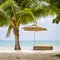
point(28, 55)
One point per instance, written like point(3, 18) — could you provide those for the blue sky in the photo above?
point(52, 33)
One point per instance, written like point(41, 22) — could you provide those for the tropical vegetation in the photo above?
point(13, 13)
point(55, 6)
point(57, 55)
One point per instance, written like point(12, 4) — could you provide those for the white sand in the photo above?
point(28, 55)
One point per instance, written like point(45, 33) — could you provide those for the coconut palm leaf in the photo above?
point(55, 6)
point(2, 1)
point(25, 16)
point(38, 7)
point(3, 21)
point(10, 8)
point(42, 9)
point(57, 19)
point(9, 30)
point(3, 18)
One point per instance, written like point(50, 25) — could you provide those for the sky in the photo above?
point(52, 33)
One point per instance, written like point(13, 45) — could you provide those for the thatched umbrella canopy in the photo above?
point(34, 28)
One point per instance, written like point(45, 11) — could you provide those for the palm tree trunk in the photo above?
point(16, 33)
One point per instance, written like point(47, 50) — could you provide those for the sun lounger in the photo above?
point(42, 47)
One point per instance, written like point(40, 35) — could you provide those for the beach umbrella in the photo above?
point(34, 28)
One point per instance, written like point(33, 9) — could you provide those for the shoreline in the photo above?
point(29, 51)
point(26, 48)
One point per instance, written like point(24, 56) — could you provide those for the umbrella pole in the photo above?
point(34, 38)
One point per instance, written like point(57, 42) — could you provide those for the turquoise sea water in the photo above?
point(30, 43)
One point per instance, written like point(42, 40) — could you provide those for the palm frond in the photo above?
point(57, 19)
point(9, 30)
point(14, 8)
point(10, 7)
point(3, 21)
point(2, 1)
point(48, 1)
point(23, 3)
point(3, 18)
point(55, 6)
point(5, 9)
point(26, 16)
point(42, 10)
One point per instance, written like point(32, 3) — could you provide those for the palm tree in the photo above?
point(12, 16)
point(14, 13)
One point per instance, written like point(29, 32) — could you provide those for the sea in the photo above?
point(28, 44)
